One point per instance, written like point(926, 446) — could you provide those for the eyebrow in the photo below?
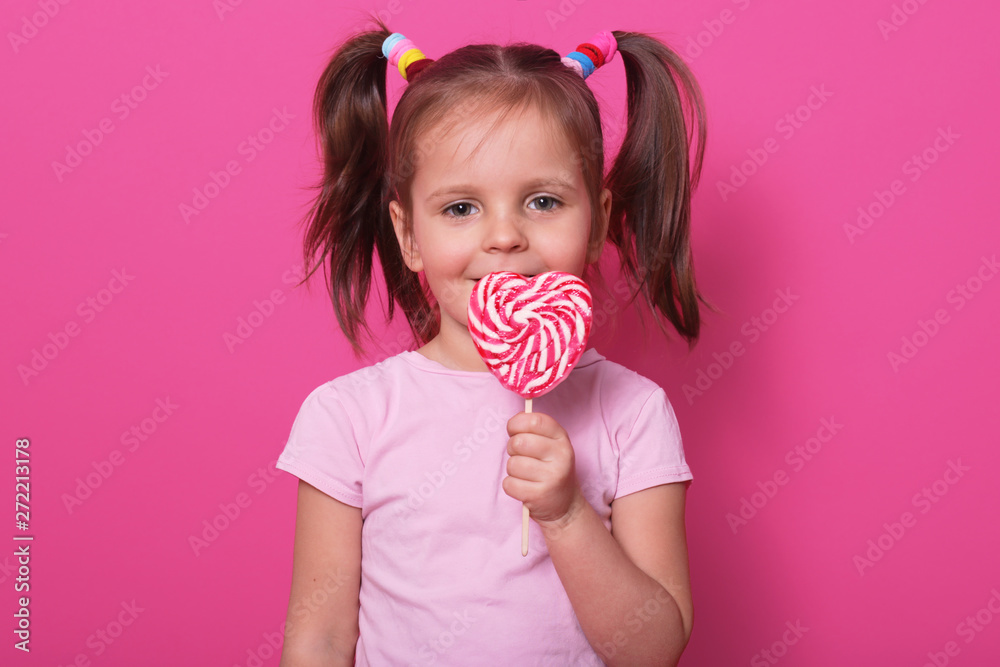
point(554, 182)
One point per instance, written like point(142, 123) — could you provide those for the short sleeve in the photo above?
point(652, 452)
point(322, 448)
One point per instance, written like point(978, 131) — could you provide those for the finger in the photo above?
point(530, 444)
point(538, 423)
point(520, 489)
point(527, 469)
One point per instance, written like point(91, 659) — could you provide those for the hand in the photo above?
point(542, 469)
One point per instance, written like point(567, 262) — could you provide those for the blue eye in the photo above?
point(464, 204)
point(553, 202)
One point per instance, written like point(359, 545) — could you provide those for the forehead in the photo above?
point(493, 149)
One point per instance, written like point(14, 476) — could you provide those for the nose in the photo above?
point(504, 234)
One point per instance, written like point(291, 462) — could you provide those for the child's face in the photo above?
point(520, 204)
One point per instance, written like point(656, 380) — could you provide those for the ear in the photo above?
point(596, 244)
point(404, 235)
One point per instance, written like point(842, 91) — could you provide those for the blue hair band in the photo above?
point(390, 42)
point(585, 61)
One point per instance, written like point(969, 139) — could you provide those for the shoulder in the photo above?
point(620, 387)
point(632, 406)
point(360, 392)
point(368, 382)
point(614, 373)
point(372, 378)
point(351, 408)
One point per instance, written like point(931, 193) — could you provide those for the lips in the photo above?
point(525, 275)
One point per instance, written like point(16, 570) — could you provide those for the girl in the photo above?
point(413, 471)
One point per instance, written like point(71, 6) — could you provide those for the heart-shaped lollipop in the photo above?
point(530, 331)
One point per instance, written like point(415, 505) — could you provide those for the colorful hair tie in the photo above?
point(404, 54)
point(588, 65)
point(600, 50)
point(574, 65)
point(591, 52)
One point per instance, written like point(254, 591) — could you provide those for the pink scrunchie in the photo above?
point(401, 47)
point(606, 42)
point(573, 65)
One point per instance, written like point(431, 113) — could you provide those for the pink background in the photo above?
point(166, 334)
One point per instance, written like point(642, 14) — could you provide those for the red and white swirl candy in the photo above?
point(530, 331)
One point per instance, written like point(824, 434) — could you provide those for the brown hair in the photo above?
point(367, 163)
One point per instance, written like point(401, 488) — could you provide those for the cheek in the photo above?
point(569, 243)
point(443, 261)
point(443, 251)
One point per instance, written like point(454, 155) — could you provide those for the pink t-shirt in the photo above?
point(421, 449)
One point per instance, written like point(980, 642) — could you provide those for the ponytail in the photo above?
point(652, 179)
point(349, 220)
point(364, 166)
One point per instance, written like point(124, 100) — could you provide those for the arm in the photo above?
point(629, 588)
point(322, 623)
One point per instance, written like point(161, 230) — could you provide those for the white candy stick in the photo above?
point(524, 508)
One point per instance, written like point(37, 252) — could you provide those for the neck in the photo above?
point(453, 348)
